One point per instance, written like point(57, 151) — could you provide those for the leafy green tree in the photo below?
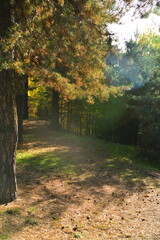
point(139, 67)
point(147, 100)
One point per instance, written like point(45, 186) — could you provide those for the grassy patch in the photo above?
point(128, 153)
point(31, 210)
point(76, 235)
point(119, 151)
point(48, 161)
point(13, 211)
point(122, 160)
point(124, 163)
point(30, 137)
point(31, 221)
point(4, 236)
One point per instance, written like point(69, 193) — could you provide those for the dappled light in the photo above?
point(69, 187)
point(79, 121)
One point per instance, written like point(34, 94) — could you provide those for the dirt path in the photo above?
point(82, 194)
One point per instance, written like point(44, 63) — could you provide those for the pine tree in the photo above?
point(8, 119)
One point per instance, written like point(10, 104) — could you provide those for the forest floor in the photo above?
point(77, 187)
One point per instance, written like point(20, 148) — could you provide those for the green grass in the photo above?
point(122, 151)
point(116, 151)
point(122, 160)
point(57, 161)
point(4, 236)
point(76, 235)
point(13, 211)
point(50, 161)
point(130, 154)
point(31, 221)
point(28, 137)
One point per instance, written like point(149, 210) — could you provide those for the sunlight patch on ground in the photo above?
point(40, 150)
point(74, 187)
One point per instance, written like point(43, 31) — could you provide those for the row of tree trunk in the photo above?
point(77, 117)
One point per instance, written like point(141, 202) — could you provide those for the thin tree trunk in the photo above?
point(19, 103)
point(55, 110)
point(22, 103)
point(25, 99)
point(8, 137)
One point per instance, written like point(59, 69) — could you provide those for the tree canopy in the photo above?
point(63, 44)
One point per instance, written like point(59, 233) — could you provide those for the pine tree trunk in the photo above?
point(22, 103)
point(8, 120)
point(8, 137)
point(25, 99)
point(55, 110)
point(19, 103)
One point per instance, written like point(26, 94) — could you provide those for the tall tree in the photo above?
point(146, 100)
point(8, 119)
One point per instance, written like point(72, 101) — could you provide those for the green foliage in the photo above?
point(139, 68)
point(146, 100)
point(109, 116)
point(39, 100)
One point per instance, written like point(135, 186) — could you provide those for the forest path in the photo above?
point(69, 187)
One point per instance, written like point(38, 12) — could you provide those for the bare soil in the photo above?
point(92, 202)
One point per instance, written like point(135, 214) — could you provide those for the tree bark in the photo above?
point(8, 119)
point(8, 137)
point(25, 99)
point(5, 16)
point(22, 103)
point(55, 110)
point(19, 103)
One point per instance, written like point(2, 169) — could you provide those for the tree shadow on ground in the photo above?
point(69, 172)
